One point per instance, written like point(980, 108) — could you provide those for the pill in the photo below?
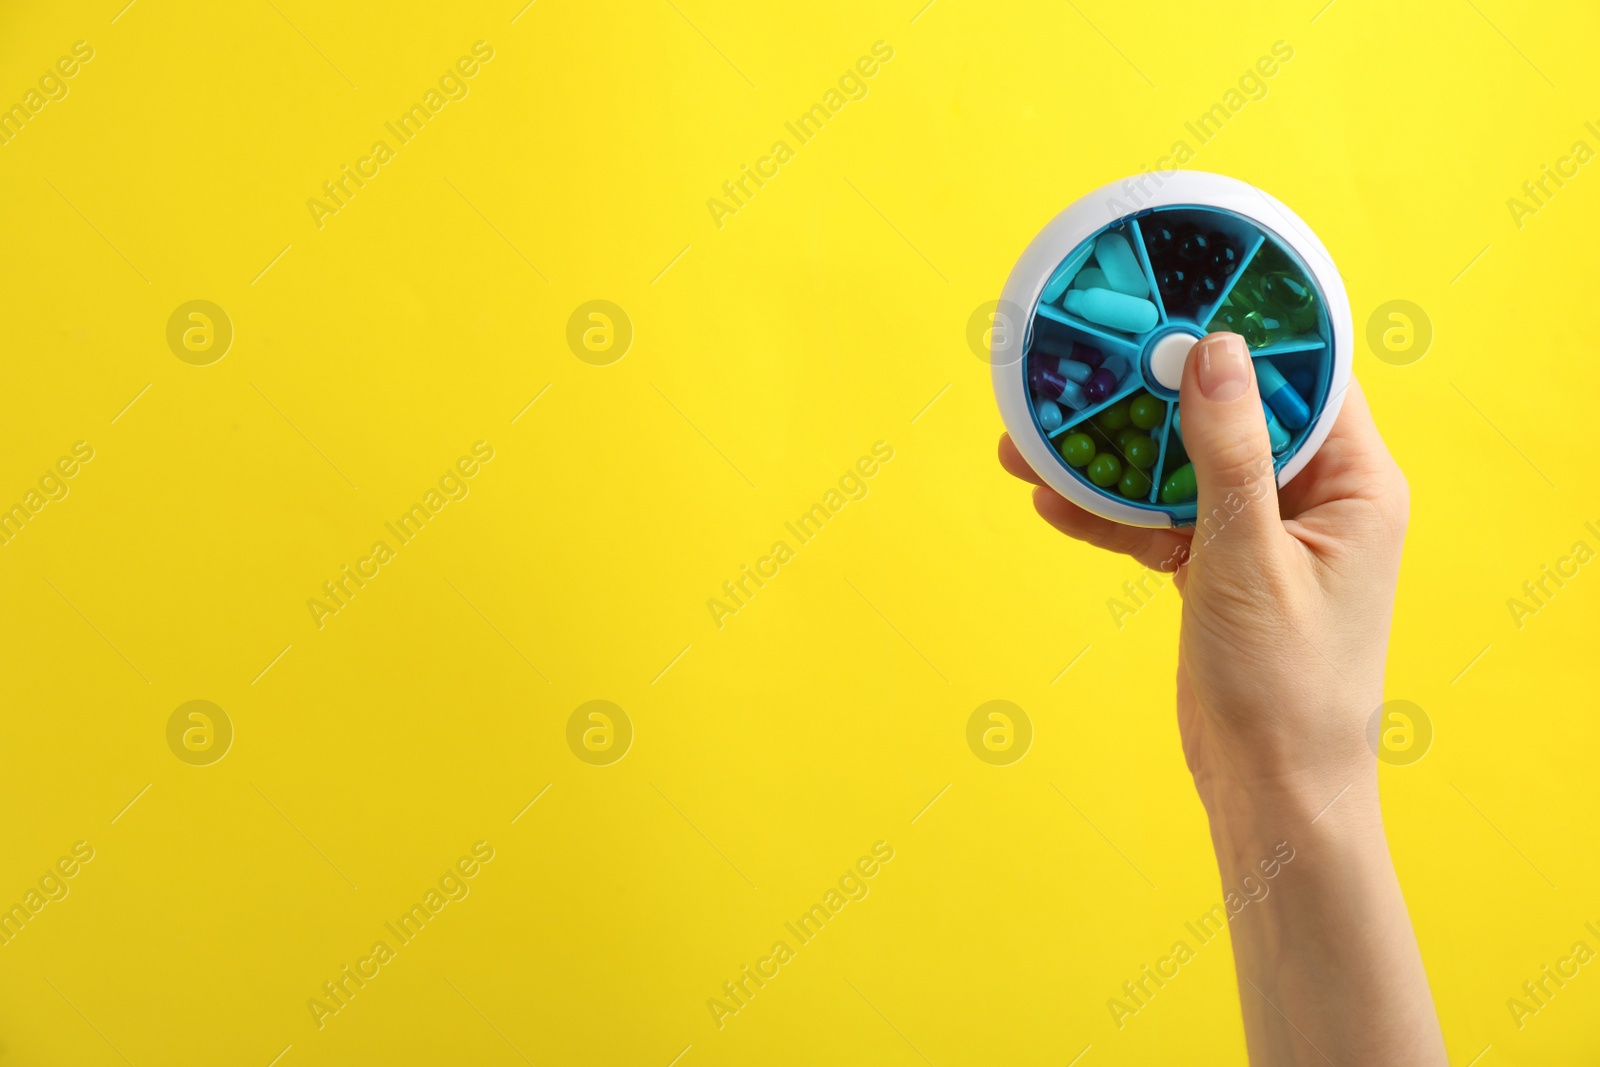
point(1099, 386)
point(1195, 249)
point(1204, 290)
point(1227, 318)
point(1141, 452)
point(1285, 290)
point(1259, 329)
point(1159, 238)
point(1065, 273)
point(1287, 403)
point(1069, 369)
point(1114, 418)
point(1224, 257)
point(1179, 488)
point(1091, 278)
point(1122, 270)
point(1125, 435)
point(1049, 415)
point(1173, 284)
point(1104, 470)
point(1117, 364)
point(1275, 431)
point(1077, 449)
point(1051, 384)
point(1135, 483)
point(1111, 308)
point(1146, 411)
point(1177, 429)
point(1087, 354)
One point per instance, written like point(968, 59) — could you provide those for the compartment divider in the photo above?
point(1233, 279)
point(1161, 454)
point(1309, 344)
point(1149, 272)
point(1080, 417)
point(1130, 347)
point(1070, 266)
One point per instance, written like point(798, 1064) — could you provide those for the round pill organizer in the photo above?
point(1116, 290)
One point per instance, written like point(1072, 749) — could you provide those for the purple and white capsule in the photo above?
point(1049, 383)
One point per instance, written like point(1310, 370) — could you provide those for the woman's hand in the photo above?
point(1287, 598)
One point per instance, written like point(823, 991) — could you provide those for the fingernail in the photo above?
point(1225, 369)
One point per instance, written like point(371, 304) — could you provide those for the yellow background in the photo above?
point(769, 354)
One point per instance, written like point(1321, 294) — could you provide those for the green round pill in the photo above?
point(1141, 452)
point(1135, 483)
point(1146, 412)
point(1077, 449)
point(1126, 434)
point(1104, 470)
point(1114, 417)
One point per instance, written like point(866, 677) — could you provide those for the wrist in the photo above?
point(1249, 822)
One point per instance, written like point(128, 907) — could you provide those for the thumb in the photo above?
point(1225, 433)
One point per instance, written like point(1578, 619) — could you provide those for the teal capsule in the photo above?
point(1091, 278)
point(1289, 405)
point(1110, 308)
point(1123, 273)
point(1275, 431)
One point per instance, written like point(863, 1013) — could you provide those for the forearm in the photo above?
point(1328, 965)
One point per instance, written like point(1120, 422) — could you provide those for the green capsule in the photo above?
point(1077, 449)
point(1104, 470)
point(1293, 296)
point(1179, 488)
point(1141, 452)
point(1227, 318)
point(1135, 483)
point(1245, 296)
point(1259, 330)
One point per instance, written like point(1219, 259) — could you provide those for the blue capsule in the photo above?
point(1275, 431)
point(1279, 437)
point(1287, 403)
point(1049, 415)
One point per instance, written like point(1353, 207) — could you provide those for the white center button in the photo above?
point(1167, 358)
